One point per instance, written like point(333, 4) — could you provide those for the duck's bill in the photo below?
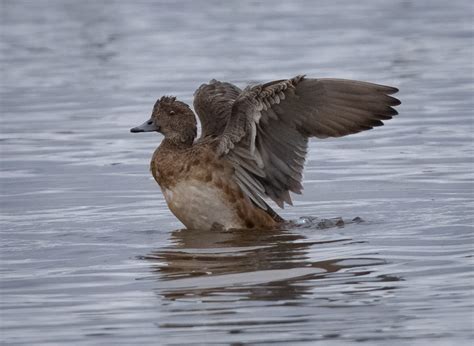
point(147, 126)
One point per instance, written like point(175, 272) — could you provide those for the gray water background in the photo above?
point(90, 253)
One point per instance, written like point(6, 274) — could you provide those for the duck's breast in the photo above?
point(201, 205)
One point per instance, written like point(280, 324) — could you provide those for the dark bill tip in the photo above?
point(136, 130)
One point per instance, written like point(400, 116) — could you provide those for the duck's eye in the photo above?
point(172, 113)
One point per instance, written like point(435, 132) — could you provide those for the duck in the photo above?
point(253, 144)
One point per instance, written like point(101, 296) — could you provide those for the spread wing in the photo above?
point(266, 137)
point(213, 104)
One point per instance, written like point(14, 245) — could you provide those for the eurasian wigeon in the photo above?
point(253, 144)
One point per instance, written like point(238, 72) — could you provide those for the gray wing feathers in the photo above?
point(283, 151)
point(213, 105)
point(266, 135)
point(337, 107)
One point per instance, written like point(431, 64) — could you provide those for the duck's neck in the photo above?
point(168, 160)
point(176, 143)
point(170, 150)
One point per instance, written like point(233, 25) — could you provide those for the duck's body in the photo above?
point(253, 144)
point(199, 189)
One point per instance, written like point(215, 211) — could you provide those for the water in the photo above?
point(90, 253)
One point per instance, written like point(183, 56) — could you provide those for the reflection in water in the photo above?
point(269, 265)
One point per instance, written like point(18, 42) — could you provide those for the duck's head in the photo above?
point(173, 118)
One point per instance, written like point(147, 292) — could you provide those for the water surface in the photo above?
point(90, 253)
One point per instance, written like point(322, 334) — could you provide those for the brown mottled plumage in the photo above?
point(253, 144)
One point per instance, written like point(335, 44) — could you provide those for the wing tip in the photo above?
point(392, 90)
point(391, 111)
point(393, 101)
